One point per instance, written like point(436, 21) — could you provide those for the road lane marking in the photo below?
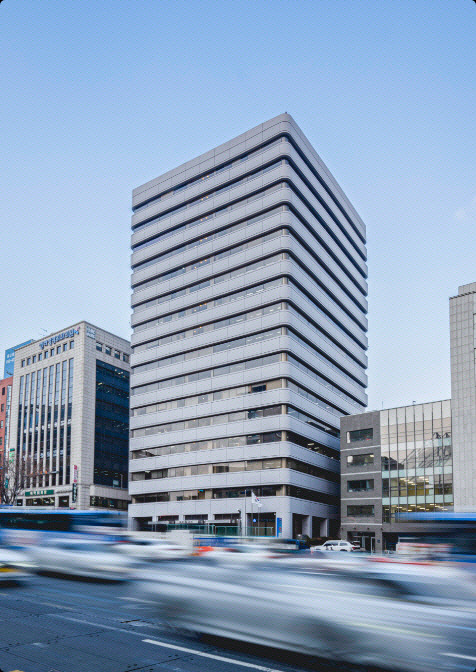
point(459, 655)
point(102, 625)
point(170, 646)
point(194, 652)
point(58, 606)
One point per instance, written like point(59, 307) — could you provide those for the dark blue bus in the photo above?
point(455, 530)
point(20, 526)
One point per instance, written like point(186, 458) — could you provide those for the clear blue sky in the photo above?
point(97, 98)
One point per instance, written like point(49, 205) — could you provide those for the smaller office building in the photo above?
point(69, 422)
point(414, 458)
point(394, 461)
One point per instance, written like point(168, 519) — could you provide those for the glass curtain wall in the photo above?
point(417, 464)
point(45, 409)
point(111, 440)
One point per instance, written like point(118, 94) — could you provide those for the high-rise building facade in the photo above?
point(463, 394)
point(249, 337)
point(69, 421)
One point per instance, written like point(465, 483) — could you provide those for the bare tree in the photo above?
point(14, 475)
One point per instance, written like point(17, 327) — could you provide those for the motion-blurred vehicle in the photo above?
point(240, 552)
point(86, 558)
point(21, 526)
point(412, 619)
point(14, 566)
point(149, 549)
point(336, 545)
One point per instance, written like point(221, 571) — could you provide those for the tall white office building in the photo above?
point(249, 337)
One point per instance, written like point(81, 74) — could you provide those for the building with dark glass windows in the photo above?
point(69, 420)
point(249, 337)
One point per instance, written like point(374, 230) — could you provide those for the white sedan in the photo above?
point(336, 545)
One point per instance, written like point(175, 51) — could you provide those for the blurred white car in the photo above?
point(241, 553)
point(14, 565)
point(412, 619)
point(150, 549)
point(336, 545)
point(79, 557)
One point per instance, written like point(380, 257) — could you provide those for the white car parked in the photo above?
point(336, 545)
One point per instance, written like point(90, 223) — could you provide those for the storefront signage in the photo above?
point(59, 337)
point(38, 493)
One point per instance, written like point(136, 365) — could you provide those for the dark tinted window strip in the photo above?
point(327, 189)
point(180, 270)
point(145, 324)
point(263, 214)
point(336, 260)
point(230, 344)
point(222, 231)
point(232, 493)
point(329, 315)
point(331, 215)
point(281, 203)
point(234, 441)
point(226, 418)
point(216, 191)
point(155, 342)
point(326, 335)
point(313, 373)
point(157, 258)
point(297, 192)
point(269, 259)
point(215, 170)
point(327, 270)
point(316, 215)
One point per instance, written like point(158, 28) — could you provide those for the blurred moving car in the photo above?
point(410, 619)
point(336, 545)
point(150, 549)
point(87, 558)
point(240, 552)
point(14, 566)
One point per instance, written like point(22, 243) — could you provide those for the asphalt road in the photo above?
point(55, 624)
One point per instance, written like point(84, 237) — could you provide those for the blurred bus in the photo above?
point(20, 526)
point(451, 534)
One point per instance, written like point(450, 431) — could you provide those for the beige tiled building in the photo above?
point(69, 418)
